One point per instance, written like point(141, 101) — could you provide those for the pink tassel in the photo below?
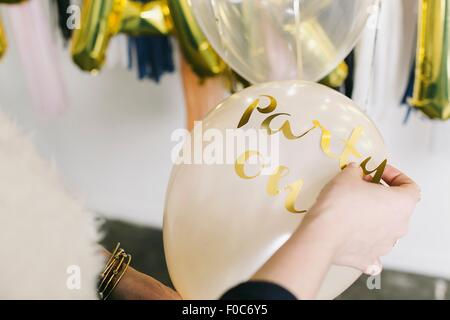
point(39, 56)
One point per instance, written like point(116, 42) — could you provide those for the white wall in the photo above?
point(421, 149)
point(113, 144)
point(113, 149)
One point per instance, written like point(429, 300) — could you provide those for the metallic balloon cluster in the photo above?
point(431, 87)
point(101, 20)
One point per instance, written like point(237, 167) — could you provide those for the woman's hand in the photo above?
point(364, 219)
point(353, 223)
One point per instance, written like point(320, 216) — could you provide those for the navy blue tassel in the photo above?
point(349, 82)
point(153, 55)
point(409, 92)
point(410, 89)
point(63, 16)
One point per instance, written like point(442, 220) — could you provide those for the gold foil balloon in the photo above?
point(431, 88)
point(103, 19)
point(3, 40)
point(137, 18)
point(226, 213)
point(90, 41)
point(196, 48)
point(337, 77)
point(282, 39)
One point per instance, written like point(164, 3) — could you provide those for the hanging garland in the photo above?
point(148, 25)
point(102, 20)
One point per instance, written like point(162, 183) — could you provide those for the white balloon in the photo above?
point(266, 40)
point(220, 228)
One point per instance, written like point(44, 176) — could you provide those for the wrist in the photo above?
point(124, 287)
point(116, 267)
point(322, 230)
point(302, 263)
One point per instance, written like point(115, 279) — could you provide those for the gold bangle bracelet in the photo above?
point(114, 271)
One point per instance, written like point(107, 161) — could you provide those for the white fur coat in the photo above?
point(47, 240)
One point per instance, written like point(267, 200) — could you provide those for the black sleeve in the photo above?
point(258, 290)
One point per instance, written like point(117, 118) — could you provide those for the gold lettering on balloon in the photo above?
point(239, 165)
point(378, 170)
point(349, 148)
point(285, 127)
point(254, 105)
point(273, 184)
point(325, 141)
point(294, 189)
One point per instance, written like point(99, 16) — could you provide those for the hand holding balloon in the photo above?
point(223, 221)
point(352, 224)
point(381, 214)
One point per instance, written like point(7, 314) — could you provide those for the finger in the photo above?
point(395, 178)
point(354, 169)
